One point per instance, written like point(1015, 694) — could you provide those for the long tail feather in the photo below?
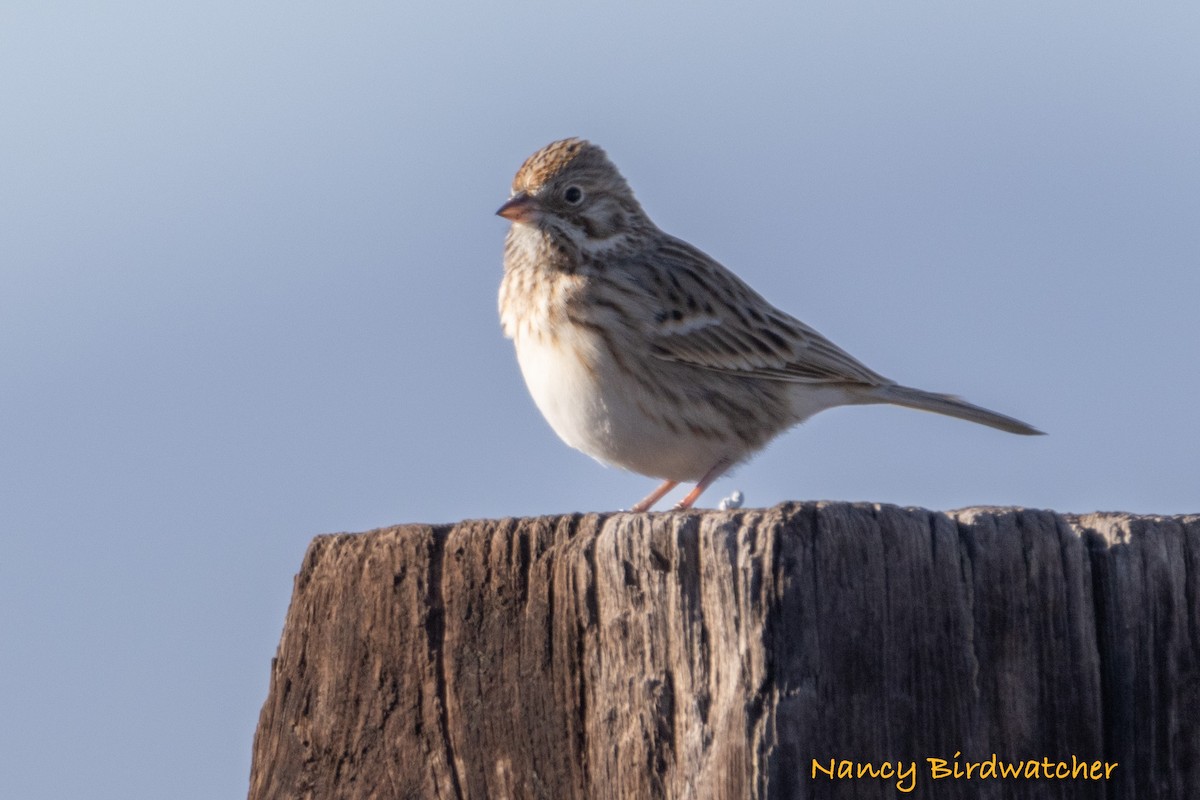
point(950, 406)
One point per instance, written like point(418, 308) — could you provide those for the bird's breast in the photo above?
point(594, 405)
point(563, 374)
point(597, 386)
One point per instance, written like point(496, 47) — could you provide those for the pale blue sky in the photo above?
point(248, 265)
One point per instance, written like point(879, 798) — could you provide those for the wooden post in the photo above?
point(742, 654)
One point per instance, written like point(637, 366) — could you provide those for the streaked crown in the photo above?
point(578, 156)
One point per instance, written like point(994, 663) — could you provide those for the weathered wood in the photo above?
point(718, 654)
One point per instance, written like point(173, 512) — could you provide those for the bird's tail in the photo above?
point(950, 406)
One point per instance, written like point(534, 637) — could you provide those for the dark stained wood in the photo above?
point(717, 654)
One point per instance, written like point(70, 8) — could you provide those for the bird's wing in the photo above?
point(705, 316)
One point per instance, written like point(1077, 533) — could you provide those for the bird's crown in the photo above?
point(554, 159)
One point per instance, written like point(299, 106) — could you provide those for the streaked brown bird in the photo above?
point(643, 352)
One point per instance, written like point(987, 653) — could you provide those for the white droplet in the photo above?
point(734, 500)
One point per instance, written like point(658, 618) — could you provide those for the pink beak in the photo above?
point(521, 208)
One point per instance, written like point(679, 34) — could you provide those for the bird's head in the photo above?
point(573, 193)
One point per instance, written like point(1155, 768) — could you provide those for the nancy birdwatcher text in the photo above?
point(905, 774)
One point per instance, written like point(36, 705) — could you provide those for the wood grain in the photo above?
point(718, 654)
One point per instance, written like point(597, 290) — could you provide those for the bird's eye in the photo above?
point(573, 195)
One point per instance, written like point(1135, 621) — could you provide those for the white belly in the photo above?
point(595, 407)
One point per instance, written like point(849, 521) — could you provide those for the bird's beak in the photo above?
point(520, 208)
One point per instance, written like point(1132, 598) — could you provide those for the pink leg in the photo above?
point(649, 500)
point(717, 471)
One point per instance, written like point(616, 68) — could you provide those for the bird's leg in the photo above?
point(717, 471)
point(646, 503)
